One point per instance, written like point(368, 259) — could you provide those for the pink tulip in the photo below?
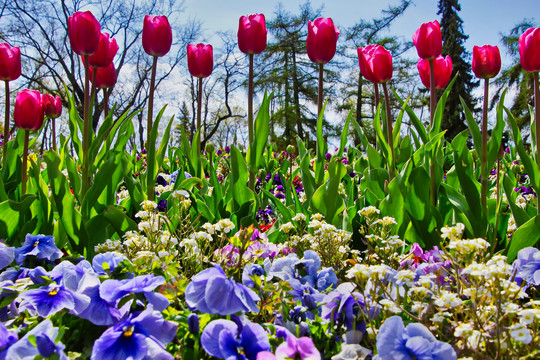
point(10, 62)
point(52, 106)
point(105, 77)
point(84, 33)
point(375, 63)
point(28, 113)
point(200, 60)
point(529, 50)
point(428, 40)
point(321, 40)
point(442, 69)
point(486, 61)
point(157, 35)
point(105, 53)
point(252, 34)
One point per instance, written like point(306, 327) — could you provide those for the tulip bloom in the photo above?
point(486, 61)
point(252, 34)
point(84, 33)
point(321, 40)
point(52, 106)
point(529, 50)
point(105, 77)
point(375, 63)
point(157, 35)
point(28, 114)
point(105, 53)
point(200, 60)
point(443, 71)
point(428, 40)
point(10, 62)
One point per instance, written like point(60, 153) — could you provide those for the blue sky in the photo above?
point(483, 20)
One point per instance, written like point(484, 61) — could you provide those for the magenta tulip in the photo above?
point(529, 50)
point(105, 53)
point(105, 77)
point(486, 61)
point(375, 63)
point(443, 71)
point(84, 33)
point(28, 114)
point(157, 35)
point(200, 60)
point(321, 40)
point(252, 34)
point(10, 62)
point(52, 106)
point(428, 40)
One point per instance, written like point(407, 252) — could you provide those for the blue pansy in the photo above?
point(7, 254)
point(114, 290)
point(139, 337)
point(112, 259)
point(101, 312)
point(251, 271)
point(46, 333)
point(211, 292)
point(40, 246)
point(225, 339)
point(395, 341)
point(7, 338)
point(52, 298)
point(527, 266)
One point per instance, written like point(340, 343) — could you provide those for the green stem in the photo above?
point(150, 148)
point(377, 100)
point(389, 132)
point(320, 95)
point(86, 129)
point(199, 113)
point(6, 125)
point(433, 108)
point(25, 162)
point(537, 126)
point(250, 117)
point(53, 129)
point(483, 159)
point(105, 102)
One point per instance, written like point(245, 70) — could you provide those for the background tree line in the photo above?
point(39, 28)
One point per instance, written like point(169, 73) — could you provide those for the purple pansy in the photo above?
point(7, 254)
point(114, 290)
point(7, 338)
point(298, 348)
point(225, 339)
point(527, 266)
point(395, 341)
point(45, 334)
point(211, 292)
point(112, 259)
point(40, 246)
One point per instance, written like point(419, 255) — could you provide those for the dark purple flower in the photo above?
point(395, 341)
point(141, 336)
point(40, 246)
point(328, 156)
point(211, 292)
point(162, 205)
point(225, 339)
point(227, 149)
point(347, 307)
point(507, 150)
point(527, 266)
point(219, 152)
point(193, 323)
point(160, 180)
point(114, 290)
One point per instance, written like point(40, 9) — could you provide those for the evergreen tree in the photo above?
point(453, 40)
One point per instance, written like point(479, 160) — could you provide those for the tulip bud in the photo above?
point(157, 35)
point(210, 148)
point(200, 60)
point(252, 34)
point(375, 63)
point(486, 61)
point(321, 40)
point(52, 106)
point(28, 113)
point(428, 40)
point(290, 149)
point(442, 68)
point(529, 50)
point(105, 77)
point(84, 33)
point(105, 53)
point(10, 62)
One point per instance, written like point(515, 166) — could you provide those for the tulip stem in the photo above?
point(377, 100)
point(150, 148)
point(250, 117)
point(53, 130)
point(483, 159)
point(6, 126)
point(24, 162)
point(199, 113)
point(105, 102)
point(85, 184)
point(389, 132)
point(320, 97)
point(537, 126)
point(432, 91)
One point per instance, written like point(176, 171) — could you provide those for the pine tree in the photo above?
point(453, 40)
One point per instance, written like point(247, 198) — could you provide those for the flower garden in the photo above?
point(410, 248)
